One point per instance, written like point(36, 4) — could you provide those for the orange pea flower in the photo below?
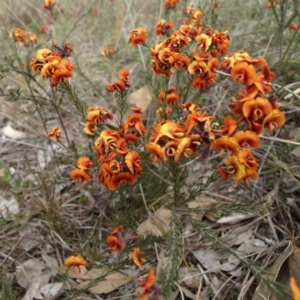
point(76, 262)
point(114, 243)
point(133, 162)
point(198, 68)
point(162, 27)
point(49, 4)
point(117, 86)
point(146, 283)
point(293, 27)
point(247, 139)
point(203, 41)
point(295, 288)
point(116, 230)
point(257, 108)
point(98, 115)
point(236, 168)
point(190, 30)
point(44, 29)
point(228, 127)
point(107, 141)
point(84, 163)
point(136, 110)
point(107, 51)
point(60, 76)
point(138, 36)
point(171, 4)
point(247, 158)
point(120, 179)
point(55, 133)
point(226, 143)
point(21, 36)
point(80, 175)
point(243, 73)
point(274, 120)
point(136, 257)
point(63, 50)
point(156, 152)
point(124, 75)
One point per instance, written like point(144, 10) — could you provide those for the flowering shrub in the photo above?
point(123, 149)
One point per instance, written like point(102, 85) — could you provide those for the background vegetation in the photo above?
point(45, 216)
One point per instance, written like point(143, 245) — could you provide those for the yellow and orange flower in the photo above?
point(96, 116)
point(75, 262)
point(293, 27)
point(80, 175)
point(138, 36)
point(274, 120)
point(116, 230)
point(203, 41)
point(247, 139)
point(243, 73)
point(49, 4)
point(228, 127)
point(115, 243)
point(55, 133)
point(21, 36)
point(146, 283)
point(171, 4)
point(107, 51)
point(44, 29)
point(225, 143)
point(162, 27)
point(136, 257)
point(84, 163)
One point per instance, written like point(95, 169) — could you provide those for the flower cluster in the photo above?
point(84, 165)
point(170, 139)
point(167, 99)
point(117, 242)
point(122, 84)
point(95, 116)
point(51, 65)
point(137, 36)
point(21, 36)
point(253, 110)
point(118, 164)
point(202, 62)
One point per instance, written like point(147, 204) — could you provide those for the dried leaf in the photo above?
point(189, 294)
point(294, 264)
point(204, 203)
point(210, 258)
point(157, 224)
point(251, 246)
point(12, 133)
point(237, 236)
point(141, 98)
point(8, 208)
point(48, 290)
point(32, 275)
point(235, 218)
point(189, 277)
point(262, 292)
point(111, 282)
